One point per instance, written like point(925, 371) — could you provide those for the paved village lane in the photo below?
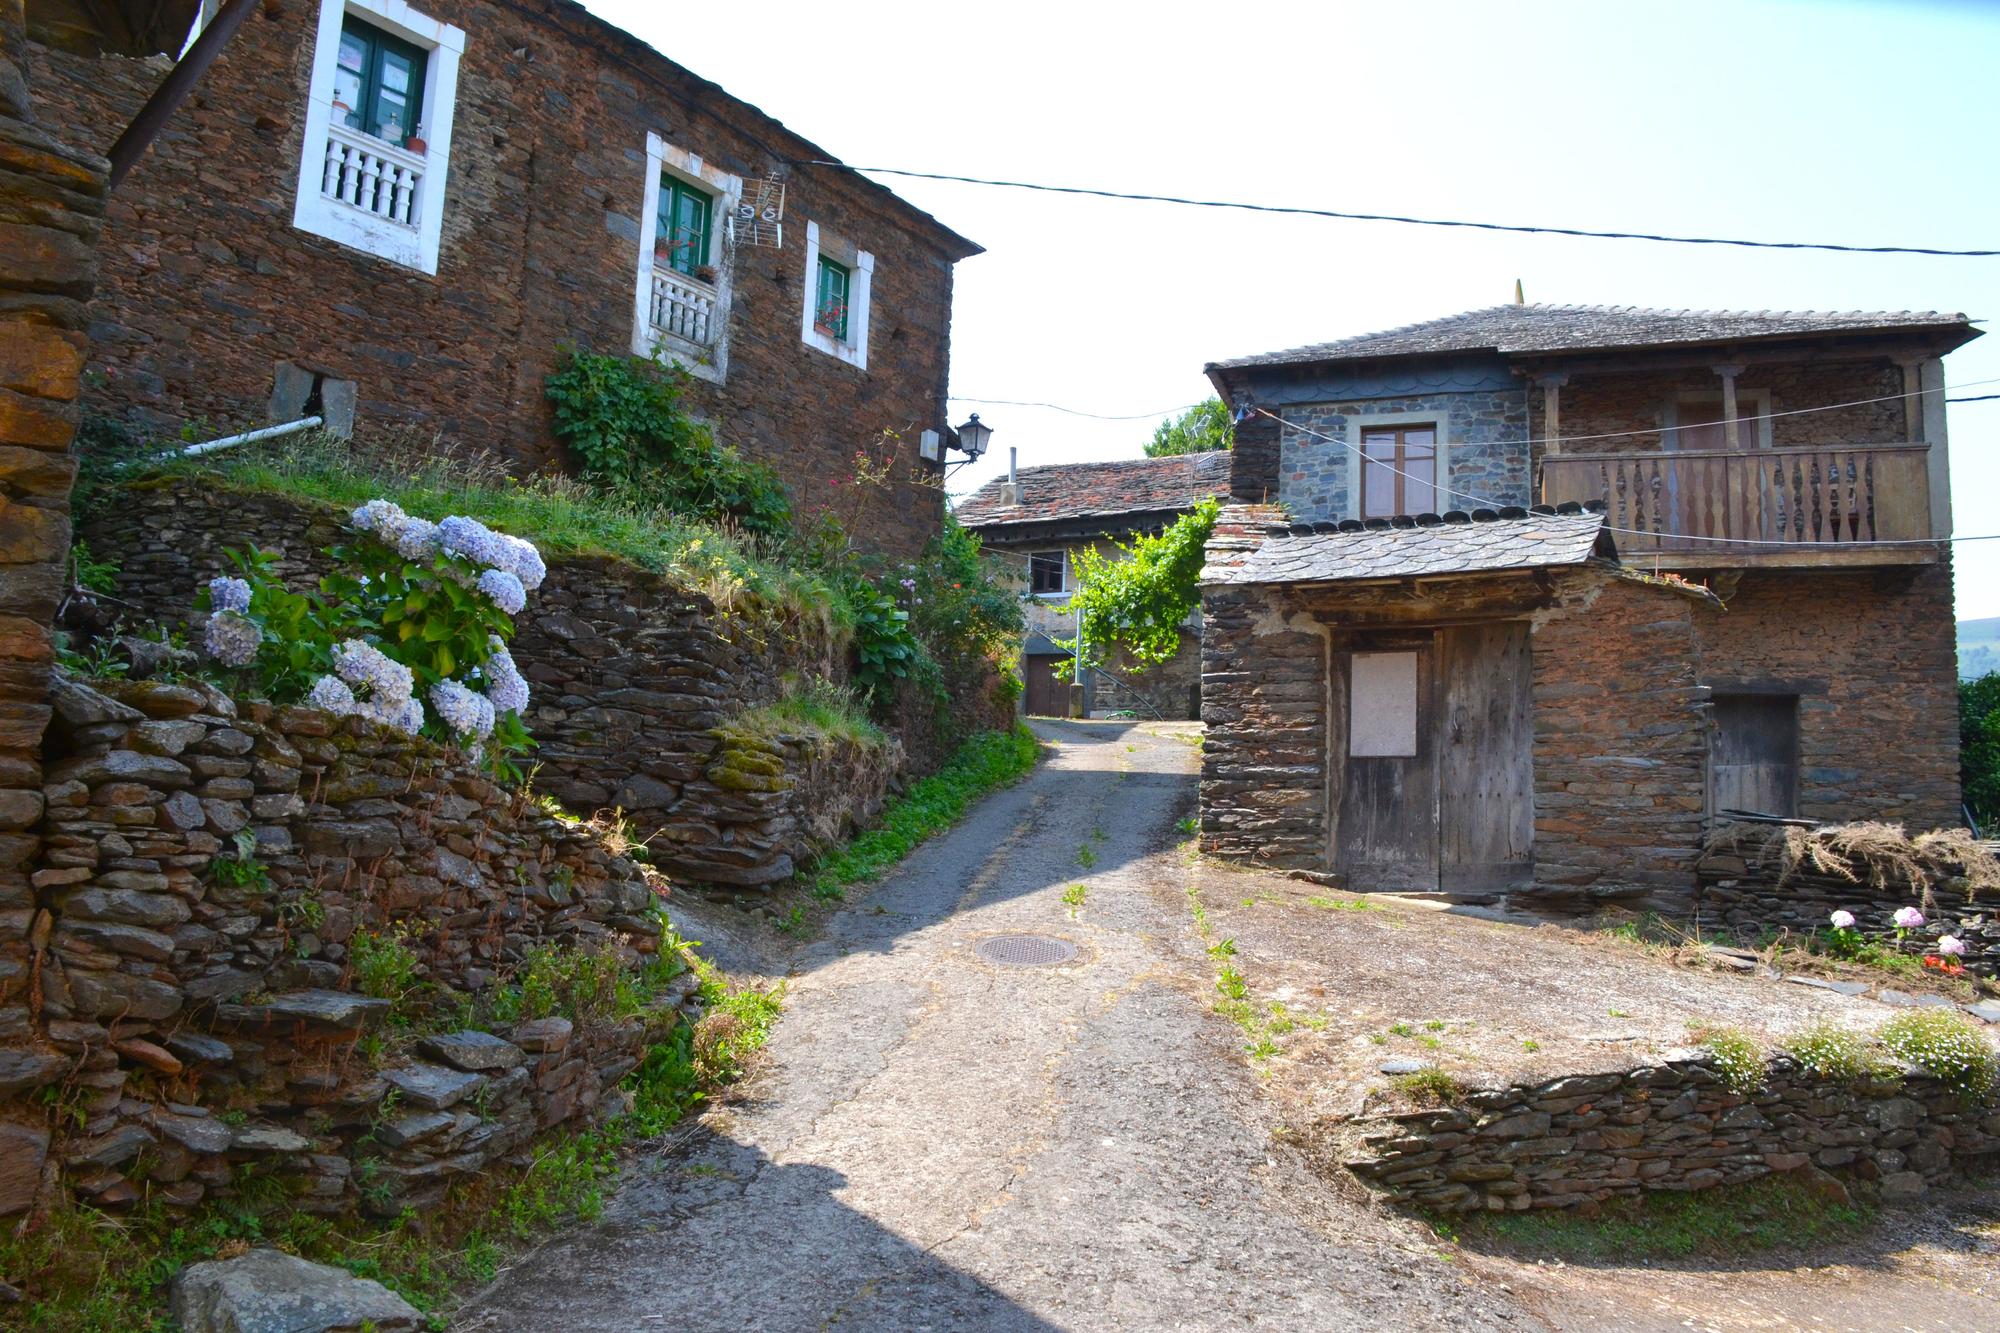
point(936, 1142)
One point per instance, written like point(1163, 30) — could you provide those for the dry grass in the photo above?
point(1882, 856)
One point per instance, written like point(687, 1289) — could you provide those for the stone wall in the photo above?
point(1669, 1126)
point(1482, 434)
point(198, 1022)
point(51, 205)
point(207, 288)
point(635, 675)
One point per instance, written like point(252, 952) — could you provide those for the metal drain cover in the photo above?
point(1026, 950)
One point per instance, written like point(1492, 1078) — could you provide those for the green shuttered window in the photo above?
point(830, 303)
point(380, 81)
point(685, 213)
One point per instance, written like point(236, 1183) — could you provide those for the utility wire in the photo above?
point(1072, 411)
point(1488, 503)
point(1408, 221)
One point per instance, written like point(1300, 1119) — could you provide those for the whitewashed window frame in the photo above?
point(709, 363)
point(412, 247)
point(854, 348)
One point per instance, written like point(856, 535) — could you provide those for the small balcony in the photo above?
point(1825, 505)
point(373, 175)
point(683, 307)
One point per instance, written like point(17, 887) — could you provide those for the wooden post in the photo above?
point(1552, 408)
point(1913, 398)
point(1731, 437)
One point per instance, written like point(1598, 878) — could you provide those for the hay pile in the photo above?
point(1882, 856)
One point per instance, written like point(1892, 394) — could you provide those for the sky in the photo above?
point(1862, 123)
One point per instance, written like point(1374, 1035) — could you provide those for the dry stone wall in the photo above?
point(196, 1022)
point(635, 677)
point(1669, 1126)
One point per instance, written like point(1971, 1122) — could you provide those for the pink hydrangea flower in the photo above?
point(1909, 918)
point(1950, 946)
point(1842, 919)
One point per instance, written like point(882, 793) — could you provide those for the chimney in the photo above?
point(1010, 494)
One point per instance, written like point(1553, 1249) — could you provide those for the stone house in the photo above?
point(1039, 517)
point(397, 214)
point(1521, 598)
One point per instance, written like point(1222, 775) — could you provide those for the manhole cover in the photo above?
point(1026, 950)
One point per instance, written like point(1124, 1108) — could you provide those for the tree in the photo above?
point(1979, 747)
point(1202, 427)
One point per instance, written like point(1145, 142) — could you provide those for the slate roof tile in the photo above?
point(1100, 490)
point(1533, 329)
point(1456, 543)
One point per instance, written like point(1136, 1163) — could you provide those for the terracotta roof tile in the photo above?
point(1100, 490)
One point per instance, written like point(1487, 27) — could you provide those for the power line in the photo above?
point(1406, 220)
point(1975, 398)
point(1486, 502)
point(1072, 411)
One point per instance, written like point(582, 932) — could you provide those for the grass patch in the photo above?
point(987, 761)
point(1781, 1210)
point(1429, 1086)
point(560, 515)
point(1344, 904)
point(816, 707)
point(84, 1271)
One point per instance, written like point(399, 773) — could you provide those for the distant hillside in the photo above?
point(1978, 647)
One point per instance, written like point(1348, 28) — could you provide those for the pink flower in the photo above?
point(1842, 919)
point(1909, 918)
point(1951, 946)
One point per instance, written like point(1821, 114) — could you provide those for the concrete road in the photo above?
point(933, 1141)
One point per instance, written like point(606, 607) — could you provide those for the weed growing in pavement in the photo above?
point(1739, 1061)
point(1530, 1045)
point(1073, 897)
point(1429, 1086)
point(1187, 826)
point(1222, 949)
point(794, 922)
point(1230, 982)
point(1085, 857)
point(1344, 904)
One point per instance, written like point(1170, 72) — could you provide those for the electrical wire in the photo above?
point(1072, 411)
point(1488, 503)
point(1403, 219)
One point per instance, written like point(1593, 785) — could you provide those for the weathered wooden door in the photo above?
point(1486, 734)
point(1753, 757)
point(1386, 831)
point(1435, 777)
point(1047, 695)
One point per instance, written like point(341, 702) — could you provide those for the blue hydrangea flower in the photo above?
point(461, 710)
point(363, 664)
point(413, 538)
point(504, 590)
point(524, 561)
point(231, 640)
point(468, 537)
point(331, 694)
point(506, 688)
point(376, 514)
point(227, 594)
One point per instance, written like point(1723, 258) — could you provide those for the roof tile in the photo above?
point(1100, 490)
point(1453, 544)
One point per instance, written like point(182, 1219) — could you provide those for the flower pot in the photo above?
point(704, 272)
point(415, 144)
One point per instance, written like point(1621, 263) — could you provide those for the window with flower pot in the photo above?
point(376, 151)
point(838, 278)
point(681, 305)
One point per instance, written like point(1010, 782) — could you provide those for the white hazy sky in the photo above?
point(1848, 122)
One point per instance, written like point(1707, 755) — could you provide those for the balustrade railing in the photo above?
point(683, 307)
point(372, 175)
point(1694, 500)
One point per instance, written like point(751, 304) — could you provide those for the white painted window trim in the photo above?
point(412, 247)
point(663, 158)
point(1062, 594)
point(1755, 401)
point(854, 351)
point(1435, 418)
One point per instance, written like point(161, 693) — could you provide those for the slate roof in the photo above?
point(1484, 541)
point(1541, 329)
point(1099, 490)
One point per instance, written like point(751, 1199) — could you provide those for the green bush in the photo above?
point(1138, 600)
point(1835, 1053)
point(1949, 1045)
point(1739, 1061)
point(622, 418)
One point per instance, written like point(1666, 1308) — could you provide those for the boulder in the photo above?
point(477, 1052)
point(269, 1291)
point(433, 1086)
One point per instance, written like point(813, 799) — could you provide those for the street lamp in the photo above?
point(973, 435)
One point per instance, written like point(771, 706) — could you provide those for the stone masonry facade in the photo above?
point(208, 292)
point(1481, 433)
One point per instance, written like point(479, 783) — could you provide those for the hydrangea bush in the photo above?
point(410, 632)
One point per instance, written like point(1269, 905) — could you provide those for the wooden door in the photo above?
point(1486, 788)
point(1048, 696)
point(1386, 830)
point(1753, 758)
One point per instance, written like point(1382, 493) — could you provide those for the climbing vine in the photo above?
point(1136, 599)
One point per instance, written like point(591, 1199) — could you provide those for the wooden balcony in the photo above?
point(1828, 505)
